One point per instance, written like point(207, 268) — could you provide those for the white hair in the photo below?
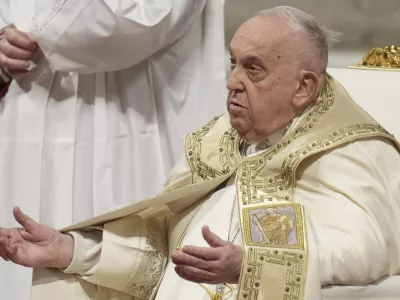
point(299, 20)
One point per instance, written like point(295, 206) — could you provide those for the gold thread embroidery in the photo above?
point(294, 262)
point(340, 136)
point(260, 260)
point(227, 148)
point(286, 179)
point(280, 184)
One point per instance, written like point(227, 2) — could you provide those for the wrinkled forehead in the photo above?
point(262, 36)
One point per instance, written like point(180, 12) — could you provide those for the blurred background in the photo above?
point(364, 24)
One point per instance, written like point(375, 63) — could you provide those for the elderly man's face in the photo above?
point(264, 78)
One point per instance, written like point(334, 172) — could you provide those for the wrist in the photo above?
point(67, 244)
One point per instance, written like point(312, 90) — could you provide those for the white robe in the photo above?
point(350, 196)
point(133, 78)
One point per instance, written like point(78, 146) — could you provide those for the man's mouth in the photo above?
point(235, 104)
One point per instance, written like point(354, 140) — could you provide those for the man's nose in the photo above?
point(234, 83)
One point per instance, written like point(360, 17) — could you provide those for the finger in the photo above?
point(14, 52)
point(13, 64)
point(195, 275)
point(181, 258)
point(26, 222)
point(202, 252)
point(18, 74)
point(211, 238)
point(19, 39)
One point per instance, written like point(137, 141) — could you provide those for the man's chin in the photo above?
point(244, 132)
point(239, 125)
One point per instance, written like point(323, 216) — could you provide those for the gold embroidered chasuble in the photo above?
point(273, 225)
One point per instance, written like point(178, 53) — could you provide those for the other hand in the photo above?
point(16, 49)
point(35, 245)
point(221, 263)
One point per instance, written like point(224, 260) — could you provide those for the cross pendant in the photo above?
point(220, 288)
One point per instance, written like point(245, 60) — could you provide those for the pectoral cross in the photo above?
point(219, 292)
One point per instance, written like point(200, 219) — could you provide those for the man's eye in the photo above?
point(252, 69)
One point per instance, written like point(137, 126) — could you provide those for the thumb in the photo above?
point(27, 223)
point(211, 238)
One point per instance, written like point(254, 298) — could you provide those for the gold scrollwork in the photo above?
point(386, 58)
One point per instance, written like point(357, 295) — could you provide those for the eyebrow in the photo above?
point(251, 58)
point(254, 59)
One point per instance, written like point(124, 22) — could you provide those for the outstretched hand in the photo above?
point(35, 245)
point(221, 263)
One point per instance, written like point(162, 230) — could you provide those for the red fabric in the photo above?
point(3, 89)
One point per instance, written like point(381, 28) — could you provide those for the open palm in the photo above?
point(35, 245)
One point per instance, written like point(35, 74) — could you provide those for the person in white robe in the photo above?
point(96, 120)
point(298, 188)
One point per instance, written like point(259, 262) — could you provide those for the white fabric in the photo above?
point(375, 91)
point(351, 200)
point(149, 72)
point(386, 289)
point(216, 214)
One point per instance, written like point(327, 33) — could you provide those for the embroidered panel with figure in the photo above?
point(274, 225)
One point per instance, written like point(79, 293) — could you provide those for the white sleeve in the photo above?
point(89, 36)
point(141, 248)
point(87, 251)
point(352, 204)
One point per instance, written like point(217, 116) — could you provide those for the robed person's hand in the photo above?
point(35, 245)
point(16, 50)
point(220, 263)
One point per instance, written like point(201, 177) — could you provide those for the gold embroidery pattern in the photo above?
point(152, 263)
point(249, 182)
point(280, 225)
point(227, 148)
point(341, 136)
point(193, 152)
point(294, 262)
point(281, 184)
point(338, 137)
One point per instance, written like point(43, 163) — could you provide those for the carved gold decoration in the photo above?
point(387, 58)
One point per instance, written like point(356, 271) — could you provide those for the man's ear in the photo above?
point(306, 89)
